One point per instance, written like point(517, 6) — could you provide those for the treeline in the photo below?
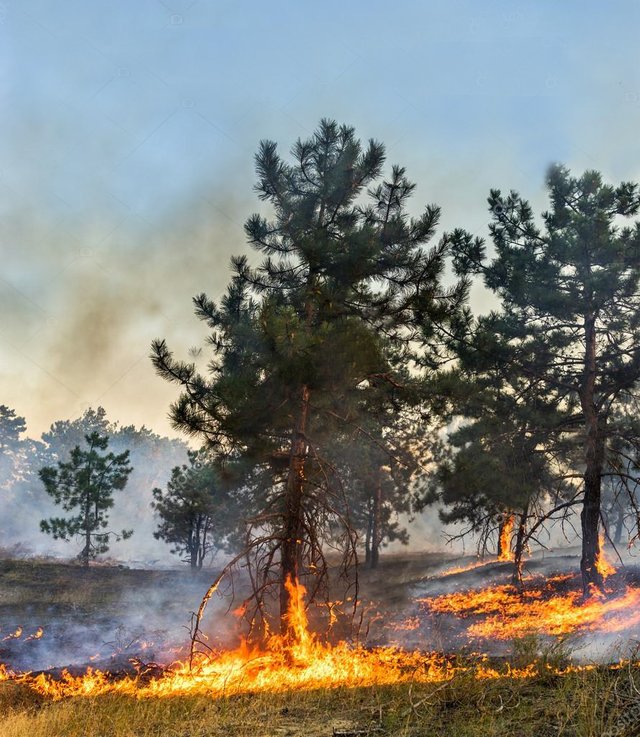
point(78, 445)
point(67, 485)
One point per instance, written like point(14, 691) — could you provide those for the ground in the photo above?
point(72, 605)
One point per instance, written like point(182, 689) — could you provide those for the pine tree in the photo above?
point(570, 318)
point(19, 458)
point(298, 339)
point(84, 485)
point(197, 513)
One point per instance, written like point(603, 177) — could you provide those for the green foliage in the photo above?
point(198, 513)
point(581, 262)
point(568, 332)
point(11, 428)
point(20, 457)
point(85, 485)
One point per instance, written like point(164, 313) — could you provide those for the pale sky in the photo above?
point(129, 128)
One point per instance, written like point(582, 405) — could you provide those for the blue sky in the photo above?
point(129, 128)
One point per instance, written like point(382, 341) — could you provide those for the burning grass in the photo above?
point(305, 686)
point(542, 607)
point(583, 703)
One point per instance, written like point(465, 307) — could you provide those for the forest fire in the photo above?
point(504, 612)
point(301, 661)
point(504, 547)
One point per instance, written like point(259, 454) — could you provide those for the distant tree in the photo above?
point(197, 511)
point(11, 428)
point(64, 435)
point(377, 501)
point(378, 464)
point(85, 485)
point(20, 459)
point(570, 318)
point(496, 477)
point(152, 457)
point(15, 450)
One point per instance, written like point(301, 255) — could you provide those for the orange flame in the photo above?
point(504, 548)
point(503, 612)
point(604, 567)
point(302, 661)
point(463, 569)
point(17, 634)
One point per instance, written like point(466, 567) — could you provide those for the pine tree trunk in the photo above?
point(84, 555)
point(594, 459)
point(369, 535)
point(194, 545)
point(293, 510)
point(519, 548)
point(376, 532)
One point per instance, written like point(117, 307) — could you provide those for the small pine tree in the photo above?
point(197, 513)
point(84, 485)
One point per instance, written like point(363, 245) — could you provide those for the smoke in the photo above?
point(105, 617)
point(84, 339)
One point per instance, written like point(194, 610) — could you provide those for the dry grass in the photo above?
point(584, 704)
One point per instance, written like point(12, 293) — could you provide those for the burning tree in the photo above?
point(197, 512)
point(300, 340)
point(500, 468)
point(86, 483)
point(495, 475)
point(570, 320)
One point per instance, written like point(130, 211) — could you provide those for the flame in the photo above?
point(300, 660)
point(17, 634)
point(463, 569)
point(504, 612)
point(36, 635)
point(504, 549)
point(303, 643)
point(604, 567)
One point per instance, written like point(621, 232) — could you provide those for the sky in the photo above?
point(128, 131)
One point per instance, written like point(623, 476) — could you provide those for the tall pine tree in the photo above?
point(570, 318)
point(300, 337)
